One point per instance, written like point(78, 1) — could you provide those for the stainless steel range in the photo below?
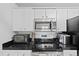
point(46, 44)
point(45, 34)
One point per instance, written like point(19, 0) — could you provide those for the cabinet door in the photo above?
point(9, 53)
point(61, 19)
point(70, 52)
point(15, 53)
point(24, 53)
point(73, 13)
point(0, 46)
point(39, 13)
point(1, 53)
point(51, 13)
point(22, 19)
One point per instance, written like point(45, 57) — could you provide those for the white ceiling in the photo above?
point(47, 4)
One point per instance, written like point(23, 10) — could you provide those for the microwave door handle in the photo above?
point(35, 25)
point(50, 25)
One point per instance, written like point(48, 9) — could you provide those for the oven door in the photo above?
point(47, 46)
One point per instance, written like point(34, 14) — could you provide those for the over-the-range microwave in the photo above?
point(45, 24)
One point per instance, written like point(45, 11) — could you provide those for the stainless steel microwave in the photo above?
point(45, 24)
point(42, 25)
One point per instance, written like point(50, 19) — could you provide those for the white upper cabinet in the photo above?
point(39, 13)
point(43, 13)
point(22, 19)
point(61, 19)
point(51, 13)
point(73, 13)
point(63, 15)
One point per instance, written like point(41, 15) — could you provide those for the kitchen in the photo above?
point(38, 29)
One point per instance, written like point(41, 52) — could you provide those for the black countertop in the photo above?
point(70, 47)
point(24, 46)
point(11, 45)
point(18, 47)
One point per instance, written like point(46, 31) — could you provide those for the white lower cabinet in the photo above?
point(0, 53)
point(24, 53)
point(30, 53)
point(56, 54)
point(15, 53)
point(70, 52)
point(47, 54)
point(9, 53)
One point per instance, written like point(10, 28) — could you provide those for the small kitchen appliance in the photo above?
point(21, 38)
point(64, 39)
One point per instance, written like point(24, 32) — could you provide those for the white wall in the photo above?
point(5, 22)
